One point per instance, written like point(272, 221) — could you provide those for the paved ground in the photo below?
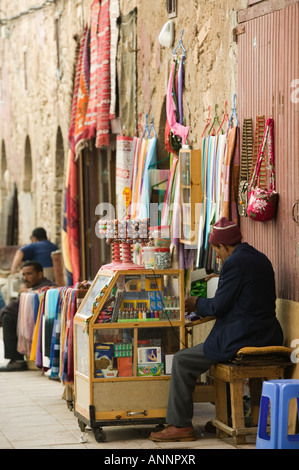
point(33, 415)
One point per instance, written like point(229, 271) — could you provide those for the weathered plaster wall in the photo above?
point(37, 99)
point(38, 96)
point(211, 59)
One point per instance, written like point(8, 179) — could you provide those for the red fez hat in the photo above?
point(225, 232)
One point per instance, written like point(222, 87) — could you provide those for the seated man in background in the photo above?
point(244, 307)
point(40, 250)
point(34, 279)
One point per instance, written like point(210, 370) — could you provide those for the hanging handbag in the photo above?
point(246, 158)
point(262, 203)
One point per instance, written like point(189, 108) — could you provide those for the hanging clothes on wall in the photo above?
point(27, 316)
point(83, 93)
point(114, 34)
point(70, 228)
point(220, 179)
point(144, 155)
point(176, 132)
point(126, 72)
point(97, 121)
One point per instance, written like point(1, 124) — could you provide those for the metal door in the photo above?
point(268, 84)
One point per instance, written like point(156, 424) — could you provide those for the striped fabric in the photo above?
point(97, 122)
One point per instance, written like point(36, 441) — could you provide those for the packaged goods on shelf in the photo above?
point(150, 369)
point(149, 355)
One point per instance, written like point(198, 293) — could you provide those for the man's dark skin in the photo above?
point(31, 279)
point(34, 279)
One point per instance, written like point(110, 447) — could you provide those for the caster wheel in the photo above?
point(82, 425)
point(160, 427)
point(99, 434)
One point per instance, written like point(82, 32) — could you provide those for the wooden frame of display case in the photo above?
point(191, 194)
point(121, 400)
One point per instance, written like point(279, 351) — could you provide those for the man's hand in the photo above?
point(190, 304)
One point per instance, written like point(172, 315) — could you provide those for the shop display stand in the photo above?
point(122, 394)
point(116, 258)
point(121, 235)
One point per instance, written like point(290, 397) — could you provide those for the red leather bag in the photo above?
point(262, 203)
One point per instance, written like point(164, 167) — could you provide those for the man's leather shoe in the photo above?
point(173, 434)
point(14, 366)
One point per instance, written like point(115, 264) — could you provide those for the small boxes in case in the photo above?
point(150, 369)
point(149, 355)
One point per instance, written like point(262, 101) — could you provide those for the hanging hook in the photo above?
point(234, 114)
point(208, 121)
point(180, 44)
point(212, 130)
point(146, 129)
point(225, 118)
point(152, 127)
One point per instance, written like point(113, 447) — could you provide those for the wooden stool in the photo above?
point(254, 364)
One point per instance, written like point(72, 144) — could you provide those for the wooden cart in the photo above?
point(138, 351)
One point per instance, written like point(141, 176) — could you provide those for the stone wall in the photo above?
point(37, 56)
point(37, 74)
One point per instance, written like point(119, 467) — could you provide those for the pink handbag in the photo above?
point(262, 203)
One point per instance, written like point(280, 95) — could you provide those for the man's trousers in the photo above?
point(187, 365)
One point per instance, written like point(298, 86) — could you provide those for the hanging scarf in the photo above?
point(103, 77)
point(114, 14)
point(171, 109)
point(127, 66)
point(55, 342)
point(230, 147)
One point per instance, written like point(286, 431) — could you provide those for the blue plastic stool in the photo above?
point(278, 393)
point(270, 395)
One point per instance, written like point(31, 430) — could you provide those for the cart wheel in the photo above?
point(160, 426)
point(82, 425)
point(99, 434)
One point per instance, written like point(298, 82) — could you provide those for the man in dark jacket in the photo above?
point(244, 307)
point(34, 280)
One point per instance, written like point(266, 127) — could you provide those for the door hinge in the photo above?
point(237, 31)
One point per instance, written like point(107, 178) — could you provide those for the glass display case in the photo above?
point(191, 194)
point(126, 331)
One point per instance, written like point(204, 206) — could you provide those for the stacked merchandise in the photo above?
point(220, 179)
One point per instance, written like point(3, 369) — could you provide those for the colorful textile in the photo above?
point(72, 128)
point(230, 147)
point(103, 77)
point(90, 124)
point(127, 66)
point(171, 108)
point(72, 217)
point(114, 33)
point(70, 229)
point(234, 183)
point(28, 307)
point(55, 342)
point(83, 92)
point(97, 123)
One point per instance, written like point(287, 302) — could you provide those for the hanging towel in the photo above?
point(71, 135)
point(171, 111)
point(114, 34)
point(230, 148)
point(103, 77)
point(127, 66)
point(90, 124)
point(234, 183)
point(83, 92)
point(150, 158)
point(55, 342)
